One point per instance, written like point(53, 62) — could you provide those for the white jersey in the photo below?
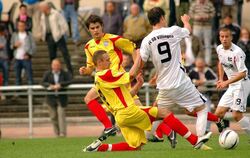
point(233, 61)
point(163, 46)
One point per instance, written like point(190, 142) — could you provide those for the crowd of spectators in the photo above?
point(41, 21)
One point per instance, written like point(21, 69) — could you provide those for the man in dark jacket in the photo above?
point(55, 81)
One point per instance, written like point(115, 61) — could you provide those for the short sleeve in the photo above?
point(240, 61)
point(124, 44)
point(180, 33)
point(145, 50)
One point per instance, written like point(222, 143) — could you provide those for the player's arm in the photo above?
point(87, 70)
point(220, 72)
point(126, 46)
point(221, 75)
point(136, 66)
point(138, 85)
point(185, 19)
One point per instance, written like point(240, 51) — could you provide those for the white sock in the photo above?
point(155, 124)
point(245, 124)
point(109, 147)
point(201, 122)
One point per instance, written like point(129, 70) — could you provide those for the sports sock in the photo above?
point(98, 111)
point(123, 146)
point(176, 125)
point(210, 117)
point(245, 124)
point(163, 129)
point(201, 122)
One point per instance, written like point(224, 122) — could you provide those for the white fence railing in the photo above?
point(33, 90)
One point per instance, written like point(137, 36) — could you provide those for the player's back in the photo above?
point(163, 46)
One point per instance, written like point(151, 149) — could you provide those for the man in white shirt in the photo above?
point(163, 46)
point(24, 47)
point(232, 62)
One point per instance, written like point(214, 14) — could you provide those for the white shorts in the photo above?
point(235, 97)
point(186, 96)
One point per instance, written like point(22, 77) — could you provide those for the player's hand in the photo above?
point(82, 70)
point(17, 44)
point(185, 18)
point(221, 84)
point(139, 78)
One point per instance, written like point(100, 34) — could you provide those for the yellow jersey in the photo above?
point(112, 88)
point(114, 45)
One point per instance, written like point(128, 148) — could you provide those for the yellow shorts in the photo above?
point(133, 122)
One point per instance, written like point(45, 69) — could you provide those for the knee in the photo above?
point(163, 112)
point(87, 99)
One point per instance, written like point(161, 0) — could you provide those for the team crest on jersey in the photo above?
point(105, 43)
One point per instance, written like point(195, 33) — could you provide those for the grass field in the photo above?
point(71, 148)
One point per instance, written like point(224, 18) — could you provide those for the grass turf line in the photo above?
point(71, 148)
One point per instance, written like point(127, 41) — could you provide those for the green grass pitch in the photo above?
point(71, 148)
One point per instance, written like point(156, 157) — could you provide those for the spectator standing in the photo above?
point(135, 26)
point(54, 27)
point(203, 77)
point(233, 27)
point(1, 8)
point(24, 47)
point(4, 65)
point(35, 14)
point(163, 4)
point(229, 7)
point(70, 13)
point(23, 16)
point(4, 56)
point(239, 10)
point(112, 19)
point(202, 13)
point(55, 80)
point(244, 44)
point(182, 7)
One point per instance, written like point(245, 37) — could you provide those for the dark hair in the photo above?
point(98, 55)
point(21, 21)
point(93, 19)
point(225, 29)
point(155, 14)
point(228, 16)
point(23, 5)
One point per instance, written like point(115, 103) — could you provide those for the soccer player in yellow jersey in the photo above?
point(114, 45)
point(133, 121)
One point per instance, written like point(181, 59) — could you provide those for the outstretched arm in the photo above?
point(185, 19)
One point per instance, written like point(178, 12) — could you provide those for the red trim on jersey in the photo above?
point(87, 46)
point(118, 92)
point(108, 77)
point(97, 41)
point(117, 50)
point(152, 119)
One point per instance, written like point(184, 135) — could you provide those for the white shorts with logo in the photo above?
point(186, 95)
point(235, 97)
